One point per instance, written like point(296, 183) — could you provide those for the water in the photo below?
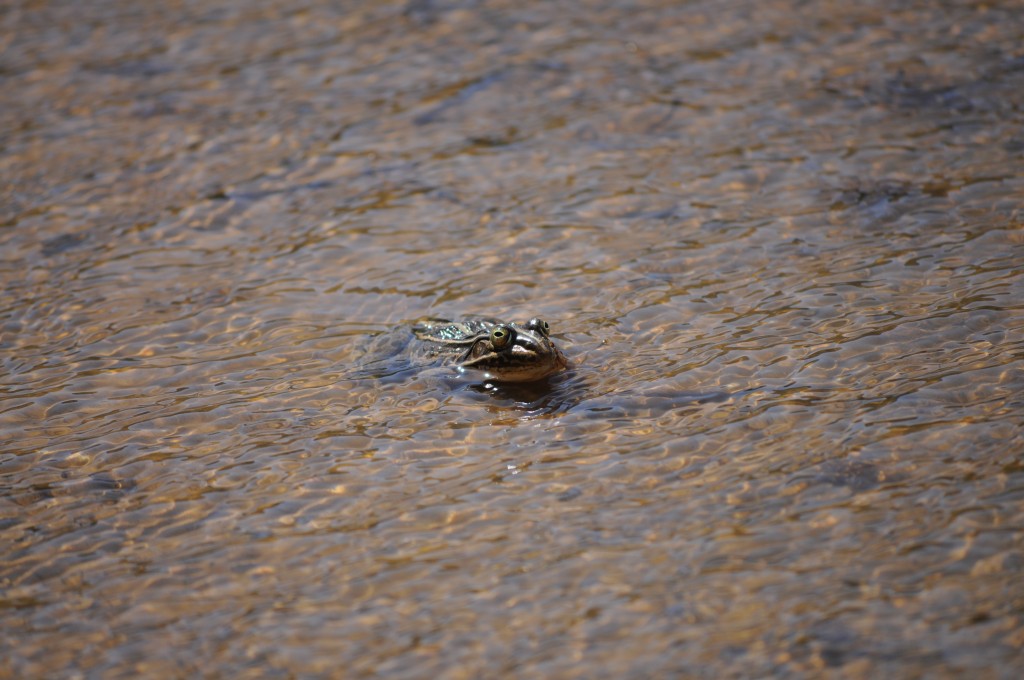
point(780, 242)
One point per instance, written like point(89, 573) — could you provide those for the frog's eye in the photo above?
point(540, 326)
point(501, 336)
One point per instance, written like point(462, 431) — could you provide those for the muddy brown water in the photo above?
point(782, 243)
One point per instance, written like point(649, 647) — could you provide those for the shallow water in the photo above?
point(781, 242)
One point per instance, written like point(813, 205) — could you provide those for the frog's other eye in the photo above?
point(501, 336)
point(539, 325)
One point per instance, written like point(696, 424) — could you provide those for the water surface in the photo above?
point(781, 243)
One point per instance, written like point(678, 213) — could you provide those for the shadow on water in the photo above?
point(551, 396)
point(572, 392)
point(656, 401)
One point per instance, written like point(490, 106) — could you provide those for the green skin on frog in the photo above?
point(507, 352)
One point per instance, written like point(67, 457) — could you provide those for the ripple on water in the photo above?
point(780, 248)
